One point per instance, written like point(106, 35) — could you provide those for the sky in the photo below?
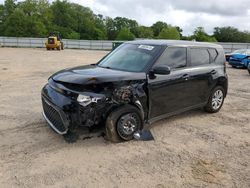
point(188, 14)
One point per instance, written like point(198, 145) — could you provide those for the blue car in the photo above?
point(240, 58)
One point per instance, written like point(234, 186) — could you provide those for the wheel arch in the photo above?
point(137, 104)
point(223, 82)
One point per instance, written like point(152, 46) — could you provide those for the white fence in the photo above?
point(229, 47)
point(40, 43)
point(88, 44)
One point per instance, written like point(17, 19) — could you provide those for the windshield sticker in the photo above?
point(146, 47)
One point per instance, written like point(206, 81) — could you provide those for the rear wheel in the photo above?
point(122, 123)
point(216, 100)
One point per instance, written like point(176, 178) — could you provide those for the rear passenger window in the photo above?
point(213, 54)
point(174, 57)
point(199, 56)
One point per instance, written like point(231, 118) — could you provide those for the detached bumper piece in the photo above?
point(55, 117)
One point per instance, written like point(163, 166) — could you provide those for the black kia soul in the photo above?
point(138, 83)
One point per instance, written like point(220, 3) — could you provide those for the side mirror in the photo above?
point(161, 69)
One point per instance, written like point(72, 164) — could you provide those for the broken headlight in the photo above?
point(85, 100)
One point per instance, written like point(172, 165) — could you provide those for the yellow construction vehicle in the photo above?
point(54, 41)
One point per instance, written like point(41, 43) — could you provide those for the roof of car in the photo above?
point(174, 43)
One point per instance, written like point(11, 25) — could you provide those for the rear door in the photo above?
point(201, 74)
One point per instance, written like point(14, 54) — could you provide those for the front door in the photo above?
point(167, 93)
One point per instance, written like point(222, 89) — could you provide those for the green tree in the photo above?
point(9, 6)
point(35, 18)
point(73, 35)
point(114, 26)
point(201, 35)
point(125, 34)
point(5, 11)
point(132, 25)
point(158, 27)
point(100, 27)
point(244, 37)
point(34, 26)
point(230, 34)
point(61, 14)
point(180, 31)
point(16, 24)
point(1, 20)
point(145, 32)
point(169, 33)
point(111, 30)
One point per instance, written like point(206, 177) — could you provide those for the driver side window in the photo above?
point(174, 57)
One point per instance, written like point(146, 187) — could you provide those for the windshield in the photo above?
point(243, 51)
point(130, 57)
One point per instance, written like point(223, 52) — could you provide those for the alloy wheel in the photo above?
point(217, 99)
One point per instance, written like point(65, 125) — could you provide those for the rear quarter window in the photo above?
point(221, 56)
point(213, 54)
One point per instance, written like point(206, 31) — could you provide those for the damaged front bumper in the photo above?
point(63, 112)
point(54, 110)
point(55, 117)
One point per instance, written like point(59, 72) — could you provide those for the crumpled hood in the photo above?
point(239, 56)
point(93, 74)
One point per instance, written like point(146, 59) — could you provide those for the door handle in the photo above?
point(213, 72)
point(185, 77)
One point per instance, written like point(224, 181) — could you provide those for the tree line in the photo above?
point(36, 18)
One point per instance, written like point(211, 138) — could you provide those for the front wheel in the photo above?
point(215, 100)
point(122, 123)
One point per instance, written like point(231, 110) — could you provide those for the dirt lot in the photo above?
point(194, 149)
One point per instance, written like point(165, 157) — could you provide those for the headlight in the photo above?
point(84, 100)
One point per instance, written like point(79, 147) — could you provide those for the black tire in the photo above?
point(248, 71)
point(215, 108)
point(234, 66)
point(115, 131)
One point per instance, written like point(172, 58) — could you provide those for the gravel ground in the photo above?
point(194, 149)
